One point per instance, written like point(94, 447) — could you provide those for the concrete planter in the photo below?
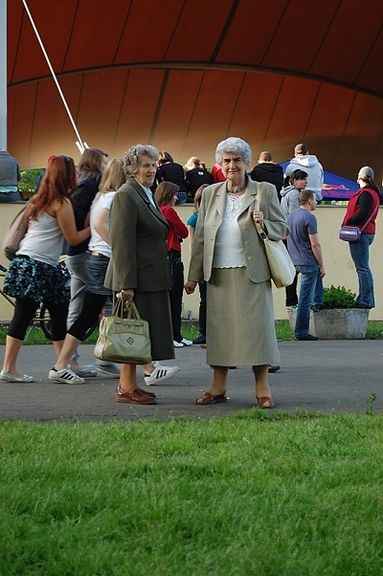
point(292, 316)
point(335, 324)
point(343, 324)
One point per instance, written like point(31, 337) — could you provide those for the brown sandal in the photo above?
point(135, 397)
point(208, 398)
point(264, 402)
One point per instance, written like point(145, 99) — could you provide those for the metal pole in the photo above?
point(80, 144)
point(3, 74)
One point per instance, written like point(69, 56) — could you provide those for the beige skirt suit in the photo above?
point(240, 315)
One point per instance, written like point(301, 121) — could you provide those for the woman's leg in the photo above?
point(176, 294)
point(262, 388)
point(77, 266)
point(128, 378)
point(360, 255)
point(218, 385)
point(92, 307)
point(58, 315)
point(25, 309)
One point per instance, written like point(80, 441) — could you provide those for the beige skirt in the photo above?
point(240, 320)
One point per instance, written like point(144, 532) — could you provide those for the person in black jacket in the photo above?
point(90, 170)
point(170, 171)
point(196, 176)
point(268, 171)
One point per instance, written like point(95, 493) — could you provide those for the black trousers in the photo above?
point(291, 293)
point(176, 292)
point(89, 315)
point(202, 308)
point(25, 309)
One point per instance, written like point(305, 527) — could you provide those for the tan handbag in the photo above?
point(282, 269)
point(124, 337)
point(16, 232)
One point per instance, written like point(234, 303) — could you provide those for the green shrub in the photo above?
point(338, 297)
point(28, 181)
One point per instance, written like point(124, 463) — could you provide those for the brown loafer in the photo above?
point(135, 397)
point(208, 398)
point(265, 402)
point(144, 392)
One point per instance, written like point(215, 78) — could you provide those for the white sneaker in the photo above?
point(64, 376)
point(186, 342)
point(160, 373)
point(10, 377)
point(177, 344)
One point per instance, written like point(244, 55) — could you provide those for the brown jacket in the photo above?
point(138, 233)
point(210, 217)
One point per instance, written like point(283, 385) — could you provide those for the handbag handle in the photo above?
point(257, 205)
point(123, 310)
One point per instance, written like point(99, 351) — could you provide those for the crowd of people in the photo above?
point(115, 222)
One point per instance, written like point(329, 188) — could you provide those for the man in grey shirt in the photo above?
point(9, 177)
point(305, 251)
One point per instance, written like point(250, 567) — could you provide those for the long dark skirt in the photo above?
point(154, 307)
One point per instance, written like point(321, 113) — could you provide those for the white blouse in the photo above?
point(228, 251)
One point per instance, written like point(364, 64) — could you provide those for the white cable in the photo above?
point(79, 143)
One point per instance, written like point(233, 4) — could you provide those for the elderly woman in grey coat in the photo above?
point(228, 253)
point(139, 267)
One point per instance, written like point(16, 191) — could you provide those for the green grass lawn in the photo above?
point(253, 494)
point(190, 331)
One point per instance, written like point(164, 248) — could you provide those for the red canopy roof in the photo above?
point(185, 74)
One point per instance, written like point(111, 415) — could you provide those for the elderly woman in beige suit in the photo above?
point(228, 253)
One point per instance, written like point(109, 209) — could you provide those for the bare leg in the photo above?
point(12, 347)
point(262, 388)
point(68, 347)
point(218, 385)
point(128, 379)
point(57, 346)
point(148, 368)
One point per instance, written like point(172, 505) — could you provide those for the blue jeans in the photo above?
point(359, 253)
point(311, 292)
point(10, 197)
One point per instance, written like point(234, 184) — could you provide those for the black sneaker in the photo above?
point(308, 337)
point(274, 369)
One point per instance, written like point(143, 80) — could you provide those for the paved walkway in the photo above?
point(315, 376)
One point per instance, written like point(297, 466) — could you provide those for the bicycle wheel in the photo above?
point(45, 323)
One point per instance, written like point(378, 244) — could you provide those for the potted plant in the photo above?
point(339, 318)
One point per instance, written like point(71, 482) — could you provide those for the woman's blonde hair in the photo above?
point(192, 163)
point(113, 177)
point(90, 165)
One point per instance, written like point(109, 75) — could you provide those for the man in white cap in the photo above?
point(303, 160)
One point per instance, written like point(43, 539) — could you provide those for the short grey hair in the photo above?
point(233, 145)
point(131, 159)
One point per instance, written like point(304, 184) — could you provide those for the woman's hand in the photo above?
point(126, 295)
point(190, 287)
point(258, 217)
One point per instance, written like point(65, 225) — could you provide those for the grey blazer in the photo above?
point(210, 217)
point(138, 234)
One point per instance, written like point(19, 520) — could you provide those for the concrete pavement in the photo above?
point(327, 376)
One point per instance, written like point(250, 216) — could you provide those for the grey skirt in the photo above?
point(154, 307)
point(240, 320)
